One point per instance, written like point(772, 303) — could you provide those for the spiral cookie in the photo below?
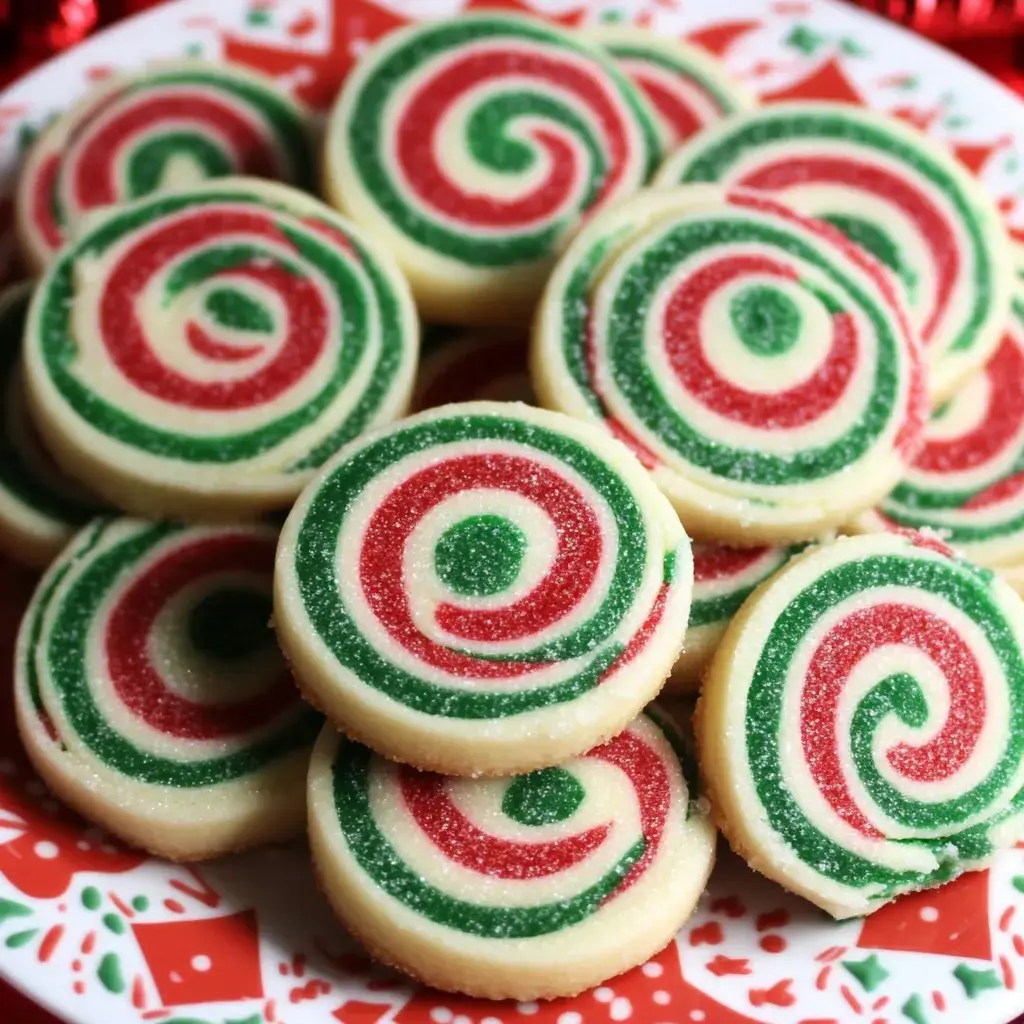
point(968, 480)
point(861, 727)
point(723, 578)
point(686, 87)
point(757, 363)
point(474, 366)
point(151, 695)
point(892, 190)
point(201, 354)
point(534, 886)
point(39, 508)
point(472, 147)
point(482, 589)
point(164, 127)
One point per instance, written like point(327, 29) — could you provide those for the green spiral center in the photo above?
point(230, 623)
point(237, 311)
point(543, 797)
point(766, 320)
point(480, 555)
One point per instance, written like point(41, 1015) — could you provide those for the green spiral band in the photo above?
point(483, 563)
point(893, 191)
point(223, 344)
point(882, 686)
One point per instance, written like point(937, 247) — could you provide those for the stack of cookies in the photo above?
point(653, 312)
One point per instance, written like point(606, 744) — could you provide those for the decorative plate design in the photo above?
point(97, 932)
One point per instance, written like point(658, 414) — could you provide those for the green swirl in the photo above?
point(966, 589)
point(316, 567)
point(66, 643)
point(914, 506)
point(360, 287)
point(714, 162)
point(490, 139)
point(630, 311)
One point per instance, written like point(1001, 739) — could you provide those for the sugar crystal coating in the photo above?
point(759, 365)
point(150, 691)
point(609, 848)
point(900, 195)
point(158, 129)
point(475, 145)
point(204, 352)
point(482, 571)
point(860, 726)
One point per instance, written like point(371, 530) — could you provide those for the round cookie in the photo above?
point(529, 887)
point(967, 482)
point(472, 147)
point(165, 127)
point(899, 194)
point(758, 364)
point(150, 694)
point(861, 727)
point(473, 366)
point(482, 589)
point(723, 578)
point(39, 508)
point(201, 354)
point(685, 85)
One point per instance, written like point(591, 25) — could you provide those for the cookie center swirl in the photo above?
point(765, 319)
point(543, 797)
point(481, 555)
point(237, 311)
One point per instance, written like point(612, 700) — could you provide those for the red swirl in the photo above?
point(839, 653)
point(139, 683)
point(464, 843)
point(795, 407)
point(572, 573)
point(1001, 424)
point(673, 105)
point(421, 121)
point(92, 178)
point(936, 231)
point(909, 434)
point(717, 561)
point(125, 338)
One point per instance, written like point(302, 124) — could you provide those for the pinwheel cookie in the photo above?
point(475, 365)
point(201, 354)
point(483, 588)
point(967, 482)
point(472, 147)
point(39, 507)
point(151, 696)
point(861, 727)
point(534, 886)
point(758, 363)
point(165, 127)
point(685, 85)
point(892, 190)
point(723, 578)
